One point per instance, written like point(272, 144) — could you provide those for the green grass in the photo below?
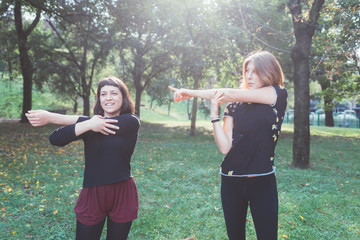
point(178, 183)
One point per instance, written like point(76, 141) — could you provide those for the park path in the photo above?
point(9, 120)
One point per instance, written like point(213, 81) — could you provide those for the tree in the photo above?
point(26, 64)
point(84, 30)
point(159, 92)
point(8, 56)
point(53, 70)
point(258, 25)
point(333, 50)
point(143, 42)
point(198, 45)
point(305, 20)
point(267, 29)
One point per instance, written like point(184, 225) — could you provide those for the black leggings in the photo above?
point(258, 192)
point(115, 231)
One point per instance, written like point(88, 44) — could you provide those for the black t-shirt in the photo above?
point(107, 157)
point(255, 134)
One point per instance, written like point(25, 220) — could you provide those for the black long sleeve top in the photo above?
point(256, 131)
point(107, 157)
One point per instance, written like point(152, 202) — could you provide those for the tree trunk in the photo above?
point(193, 118)
point(86, 99)
point(328, 104)
point(25, 63)
point(169, 106)
point(329, 118)
point(304, 30)
point(10, 67)
point(194, 106)
point(86, 92)
point(27, 88)
point(138, 92)
point(75, 107)
point(137, 73)
point(188, 109)
point(301, 143)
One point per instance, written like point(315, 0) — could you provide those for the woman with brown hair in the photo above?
point(248, 136)
point(109, 191)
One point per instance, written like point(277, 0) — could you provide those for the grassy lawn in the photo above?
point(178, 184)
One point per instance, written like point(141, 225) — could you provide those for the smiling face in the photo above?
point(115, 98)
point(252, 78)
point(111, 100)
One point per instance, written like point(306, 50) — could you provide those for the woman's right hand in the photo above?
point(179, 94)
point(103, 125)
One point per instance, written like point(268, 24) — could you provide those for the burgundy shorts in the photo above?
point(119, 201)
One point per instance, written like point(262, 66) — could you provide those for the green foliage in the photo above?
point(78, 44)
point(144, 43)
point(178, 185)
point(203, 39)
point(159, 91)
point(8, 42)
point(11, 99)
point(258, 25)
point(334, 60)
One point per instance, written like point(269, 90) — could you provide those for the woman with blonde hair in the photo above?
point(248, 136)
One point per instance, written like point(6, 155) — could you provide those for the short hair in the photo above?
point(127, 103)
point(266, 67)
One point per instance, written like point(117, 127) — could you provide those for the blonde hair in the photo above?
point(266, 67)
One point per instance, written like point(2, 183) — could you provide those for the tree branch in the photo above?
point(325, 53)
point(260, 40)
point(63, 41)
point(295, 9)
point(315, 10)
point(34, 23)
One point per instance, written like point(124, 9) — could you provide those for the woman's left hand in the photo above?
point(103, 125)
point(215, 101)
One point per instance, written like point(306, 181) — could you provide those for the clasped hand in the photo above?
point(103, 125)
point(215, 100)
point(97, 123)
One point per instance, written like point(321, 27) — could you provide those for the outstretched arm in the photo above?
point(65, 135)
point(39, 118)
point(264, 95)
point(97, 124)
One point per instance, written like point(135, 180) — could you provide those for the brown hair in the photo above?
point(266, 67)
point(127, 103)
